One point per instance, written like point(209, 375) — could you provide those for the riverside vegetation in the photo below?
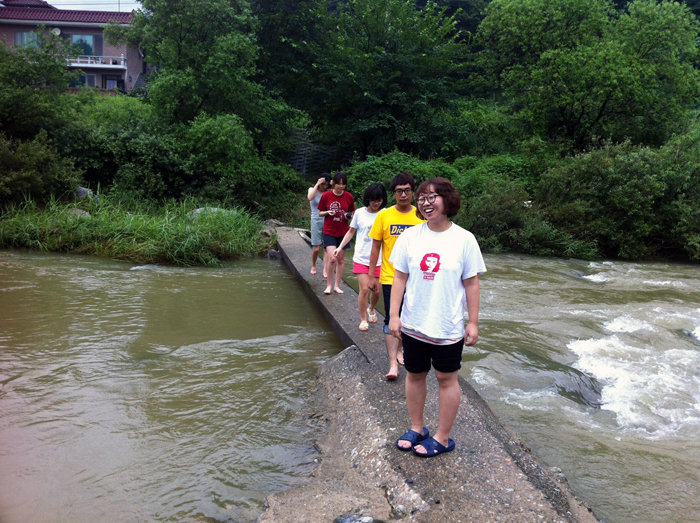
point(168, 233)
point(569, 126)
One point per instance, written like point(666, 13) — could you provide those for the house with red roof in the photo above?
point(102, 65)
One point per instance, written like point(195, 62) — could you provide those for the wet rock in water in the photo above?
point(84, 192)
point(684, 333)
point(273, 254)
point(350, 518)
point(567, 381)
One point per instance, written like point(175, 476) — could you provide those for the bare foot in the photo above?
point(392, 374)
point(339, 291)
point(399, 358)
point(327, 291)
point(325, 275)
point(313, 270)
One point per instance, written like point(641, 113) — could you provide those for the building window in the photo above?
point(112, 82)
point(85, 79)
point(25, 39)
point(84, 43)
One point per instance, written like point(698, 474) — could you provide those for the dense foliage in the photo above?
point(580, 72)
point(568, 126)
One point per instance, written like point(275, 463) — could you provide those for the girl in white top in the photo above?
point(437, 266)
point(374, 199)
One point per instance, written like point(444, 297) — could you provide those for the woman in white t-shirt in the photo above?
point(437, 266)
point(374, 199)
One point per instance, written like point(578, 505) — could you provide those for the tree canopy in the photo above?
point(381, 70)
point(578, 71)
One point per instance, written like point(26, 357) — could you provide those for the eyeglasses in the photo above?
point(397, 192)
point(430, 198)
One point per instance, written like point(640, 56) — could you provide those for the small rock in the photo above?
point(80, 212)
point(84, 192)
point(273, 254)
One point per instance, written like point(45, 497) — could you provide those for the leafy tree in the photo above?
point(578, 72)
point(33, 80)
point(468, 13)
point(382, 69)
point(633, 201)
point(284, 30)
point(203, 54)
point(33, 168)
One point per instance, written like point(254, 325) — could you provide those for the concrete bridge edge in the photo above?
point(389, 494)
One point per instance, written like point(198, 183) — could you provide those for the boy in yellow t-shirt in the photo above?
point(388, 226)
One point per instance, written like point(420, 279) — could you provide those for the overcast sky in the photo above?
point(96, 5)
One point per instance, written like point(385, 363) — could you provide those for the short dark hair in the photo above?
point(327, 177)
point(340, 176)
point(403, 178)
point(444, 188)
point(375, 191)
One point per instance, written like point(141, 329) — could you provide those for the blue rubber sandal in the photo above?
point(434, 447)
point(413, 438)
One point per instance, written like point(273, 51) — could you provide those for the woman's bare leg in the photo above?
point(340, 265)
point(362, 280)
point(448, 402)
point(373, 300)
point(329, 267)
point(416, 391)
point(314, 257)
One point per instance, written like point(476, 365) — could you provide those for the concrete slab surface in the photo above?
point(490, 476)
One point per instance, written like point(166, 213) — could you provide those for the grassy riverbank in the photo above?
point(136, 232)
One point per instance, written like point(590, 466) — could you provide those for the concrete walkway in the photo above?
point(490, 476)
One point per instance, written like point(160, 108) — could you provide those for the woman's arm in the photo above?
point(471, 332)
point(373, 259)
point(397, 290)
point(312, 190)
point(322, 207)
point(346, 239)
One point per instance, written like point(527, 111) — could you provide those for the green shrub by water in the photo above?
point(135, 232)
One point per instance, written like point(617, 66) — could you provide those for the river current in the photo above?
point(148, 393)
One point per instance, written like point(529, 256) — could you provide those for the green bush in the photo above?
point(481, 128)
point(492, 212)
point(635, 202)
point(134, 154)
point(473, 175)
point(34, 169)
point(383, 168)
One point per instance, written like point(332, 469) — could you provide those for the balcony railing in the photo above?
point(109, 62)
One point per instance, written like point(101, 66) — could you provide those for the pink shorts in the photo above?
point(364, 269)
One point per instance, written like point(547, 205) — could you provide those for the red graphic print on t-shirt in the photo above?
point(430, 264)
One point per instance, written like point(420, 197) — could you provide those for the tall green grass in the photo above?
point(135, 232)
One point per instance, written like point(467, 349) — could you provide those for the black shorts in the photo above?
point(417, 355)
point(333, 241)
point(386, 292)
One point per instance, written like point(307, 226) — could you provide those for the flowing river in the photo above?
point(148, 393)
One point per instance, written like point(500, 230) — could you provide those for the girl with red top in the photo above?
point(336, 207)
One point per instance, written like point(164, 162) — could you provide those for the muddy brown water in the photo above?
point(147, 393)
